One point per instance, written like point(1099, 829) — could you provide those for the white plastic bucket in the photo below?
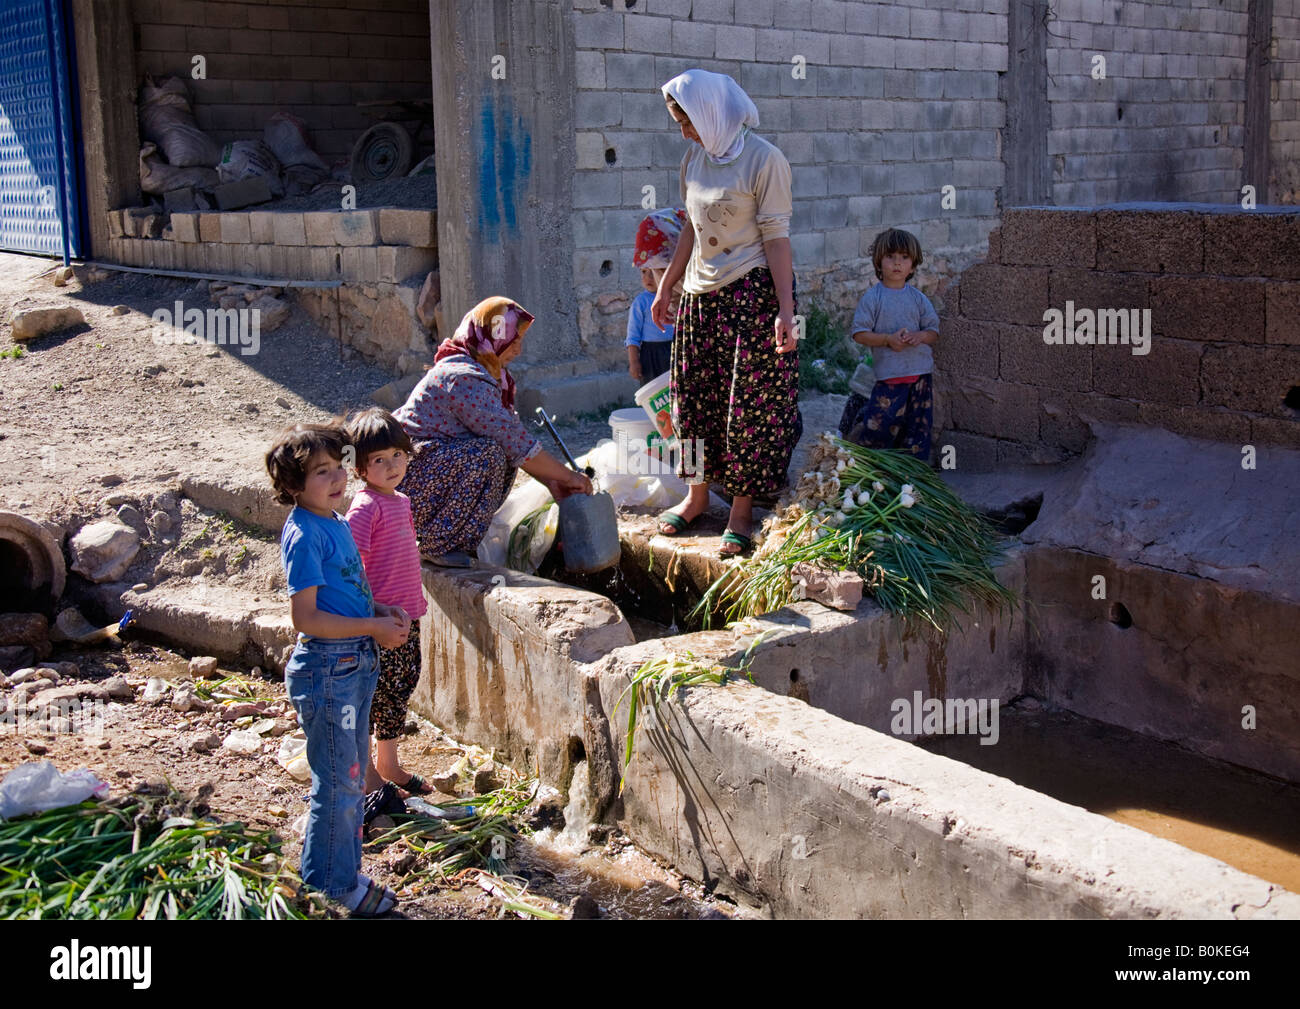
point(654, 399)
point(639, 445)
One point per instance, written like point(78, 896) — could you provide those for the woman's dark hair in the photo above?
point(375, 430)
point(895, 240)
point(294, 449)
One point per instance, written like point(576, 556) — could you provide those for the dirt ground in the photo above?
point(99, 416)
point(139, 743)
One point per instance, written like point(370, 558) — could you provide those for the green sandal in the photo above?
point(679, 523)
point(734, 539)
point(415, 785)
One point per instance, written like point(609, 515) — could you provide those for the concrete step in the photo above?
point(231, 623)
point(565, 397)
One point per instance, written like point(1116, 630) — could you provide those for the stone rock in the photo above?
point(118, 689)
point(119, 499)
point(273, 312)
point(60, 670)
point(31, 629)
point(841, 590)
point(445, 783)
point(153, 370)
point(204, 742)
point(110, 479)
point(33, 747)
point(184, 698)
point(486, 779)
point(430, 298)
point(242, 710)
point(130, 515)
point(102, 551)
point(62, 275)
point(263, 726)
point(140, 587)
point(23, 676)
point(16, 656)
point(30, 323)
point(583, 908)
point(90, 275)
point(120, 310)
point(52, 697)
point(204, 667)
point(282, 725)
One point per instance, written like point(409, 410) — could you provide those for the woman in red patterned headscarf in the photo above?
point(467, 437)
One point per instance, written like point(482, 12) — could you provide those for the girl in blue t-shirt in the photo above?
point(331, 675)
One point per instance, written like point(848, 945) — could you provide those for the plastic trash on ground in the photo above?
point(293, 757)
point(36, 787)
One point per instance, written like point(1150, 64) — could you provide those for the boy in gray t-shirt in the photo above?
point(898, 322)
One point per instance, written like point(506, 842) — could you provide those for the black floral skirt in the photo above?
point(735, 399)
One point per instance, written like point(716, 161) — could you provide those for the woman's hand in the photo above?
point(786, 337)
point(568, 483)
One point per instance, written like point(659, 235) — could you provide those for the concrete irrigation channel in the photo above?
point(803, 795)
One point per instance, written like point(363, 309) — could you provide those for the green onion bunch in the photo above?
point(921, 551)
point(142, 857)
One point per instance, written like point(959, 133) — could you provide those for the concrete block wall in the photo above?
point(1284, 104)
point(1222, 286)
point(314, 59)
point(898, 101)
point(895, 103)
point(1166, 120)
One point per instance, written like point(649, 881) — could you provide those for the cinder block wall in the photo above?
point(1165, 122)
point(1223, 287)
point(314, 59)
point(899, 101)
point(1284, 104)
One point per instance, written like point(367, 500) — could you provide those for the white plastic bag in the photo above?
point(244, 158)
point(158, 177)
point(166, 120)
point(522, 502)
point(293, 757)
point(35, 787)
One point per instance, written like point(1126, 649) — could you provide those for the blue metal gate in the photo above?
point(40, 203)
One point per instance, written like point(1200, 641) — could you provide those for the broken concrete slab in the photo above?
point(249, 501)
point(1148, 496)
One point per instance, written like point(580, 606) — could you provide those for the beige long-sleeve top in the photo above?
point(734, 209)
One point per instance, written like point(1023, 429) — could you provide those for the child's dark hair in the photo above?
point(896, 240)
point(288, 458)
point(376, 430)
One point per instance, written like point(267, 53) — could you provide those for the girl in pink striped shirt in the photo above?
point(381, 523)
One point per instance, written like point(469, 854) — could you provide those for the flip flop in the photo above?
point(679, 523)
point(373, 903)
point(735, 539)
point(415, 785)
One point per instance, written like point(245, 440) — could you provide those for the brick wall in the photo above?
point(899, 101)
point(314, 59)
point(1284, 106)
point(1223, 288)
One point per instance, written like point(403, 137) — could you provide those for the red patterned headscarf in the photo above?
point(656, 238)
point(486, 330)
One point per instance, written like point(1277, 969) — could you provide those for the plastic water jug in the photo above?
point(589, 532)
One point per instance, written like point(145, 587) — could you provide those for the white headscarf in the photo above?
point(718, 108)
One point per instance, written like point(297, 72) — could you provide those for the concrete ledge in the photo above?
point(216, 621)
point(809, 816)
point(778, 803)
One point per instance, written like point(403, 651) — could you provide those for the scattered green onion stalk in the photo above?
point(921, 551)
point(142, 856)
point(659, 680)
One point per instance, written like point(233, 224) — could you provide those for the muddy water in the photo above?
point(1246, 819)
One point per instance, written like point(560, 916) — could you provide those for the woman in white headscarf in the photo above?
point(735, 366)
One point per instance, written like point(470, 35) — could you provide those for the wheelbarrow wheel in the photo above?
point(383, 152)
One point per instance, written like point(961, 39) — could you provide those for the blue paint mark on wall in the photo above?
point(505, 161)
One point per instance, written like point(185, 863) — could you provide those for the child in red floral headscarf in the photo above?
point(649, 348)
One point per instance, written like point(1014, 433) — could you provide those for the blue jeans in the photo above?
point(331, 682)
